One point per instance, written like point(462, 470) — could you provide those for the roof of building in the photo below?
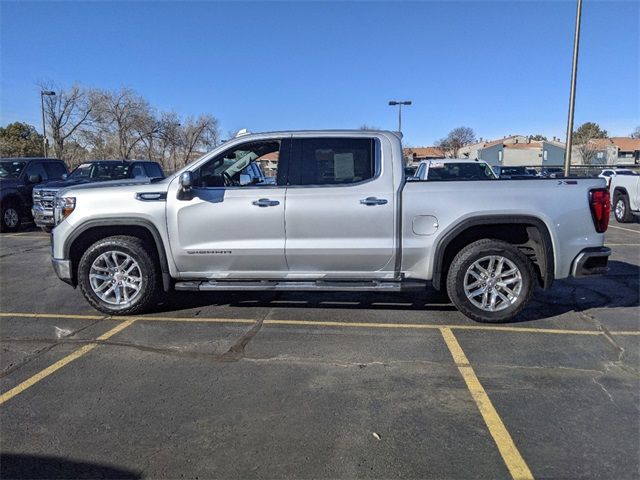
point(272, 156)
point(424, 151)
point(533, 144)
point(626, 144)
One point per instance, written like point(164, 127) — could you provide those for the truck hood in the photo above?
point(58, 184)
point(143, 185)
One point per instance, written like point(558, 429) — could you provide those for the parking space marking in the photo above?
point(321, 323)
point(626, 229)
point(61, 363)
point(507, 448)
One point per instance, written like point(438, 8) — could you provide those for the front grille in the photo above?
point(44, 198)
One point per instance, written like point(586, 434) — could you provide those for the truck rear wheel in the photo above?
point(118, 276)
point(621, 208)
point(490, 281)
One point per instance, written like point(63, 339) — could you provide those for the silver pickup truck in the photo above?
point(337, 215)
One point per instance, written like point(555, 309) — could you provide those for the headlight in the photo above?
point(64, 207)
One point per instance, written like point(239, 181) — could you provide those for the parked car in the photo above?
point(532, 171)
point(608, 173)
point(89, 172)
point(341, 217)
point(18, 176)
point(513, 173)
point(625, 194)
point(551, 172)
point(454, 169)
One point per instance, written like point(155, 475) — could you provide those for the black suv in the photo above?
point(90, 172)
point(17, 179)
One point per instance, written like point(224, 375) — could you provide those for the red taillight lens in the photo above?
point(600, 209)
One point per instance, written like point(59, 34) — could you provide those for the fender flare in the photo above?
point(547, 270)
point(124, 222)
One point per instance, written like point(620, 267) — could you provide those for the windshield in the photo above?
point(626, 172)
point(102, 171)
point(11, 169)
point(459, 171)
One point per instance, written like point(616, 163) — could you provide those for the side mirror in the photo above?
point(64, 176)
point(245, 179)
point(35, 178)
point(186, 181)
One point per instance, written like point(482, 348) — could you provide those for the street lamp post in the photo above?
point(399, 103)
point(572, 93)
point(48, 93)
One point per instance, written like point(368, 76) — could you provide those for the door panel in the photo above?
point(231, 224)
point(220, 232)
point(339, 230)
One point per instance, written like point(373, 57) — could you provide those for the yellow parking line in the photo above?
point(507, 448)
point(622, 228)
point(61, 363)
point(319, 323)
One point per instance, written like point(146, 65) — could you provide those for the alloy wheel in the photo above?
point(115, 277)
point(493, 283)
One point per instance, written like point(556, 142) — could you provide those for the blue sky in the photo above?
point(500, 67)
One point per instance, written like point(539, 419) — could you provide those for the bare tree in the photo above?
point(635, 133)
point(198, 134)
point(126, 116)
point(456, 139)
point(65, 112)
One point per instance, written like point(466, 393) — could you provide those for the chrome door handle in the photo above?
point(265, 202)
point(373, 201)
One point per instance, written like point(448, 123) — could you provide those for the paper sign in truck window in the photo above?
point(343, 166)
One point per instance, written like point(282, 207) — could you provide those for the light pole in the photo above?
point(399, 103)
point(48, 93)
point(572, 93)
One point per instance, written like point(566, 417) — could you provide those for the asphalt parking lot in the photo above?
point(295, 385)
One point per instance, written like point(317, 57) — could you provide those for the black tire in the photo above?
point(477, 251)
point(138, 250)
point(11, 218)
point(622, 214)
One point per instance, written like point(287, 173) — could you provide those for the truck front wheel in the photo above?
point(118, 276)
point(490, 281)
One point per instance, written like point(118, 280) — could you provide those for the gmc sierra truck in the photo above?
point(625, 191)
point(340, 216)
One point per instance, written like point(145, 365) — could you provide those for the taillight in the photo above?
point(600, 208)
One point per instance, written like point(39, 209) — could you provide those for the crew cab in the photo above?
point(625, 194)
point(89, 172)
point(341, 216)
point(18, 176)
point(454, 169)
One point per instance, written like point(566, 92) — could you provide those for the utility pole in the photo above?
point(399, 103)
point(572, 94)
point(44, 128)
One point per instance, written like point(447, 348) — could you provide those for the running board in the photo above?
point(307, 286)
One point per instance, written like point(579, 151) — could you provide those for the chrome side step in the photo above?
point(305, 286)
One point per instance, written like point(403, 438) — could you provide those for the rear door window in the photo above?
point(332, 161)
